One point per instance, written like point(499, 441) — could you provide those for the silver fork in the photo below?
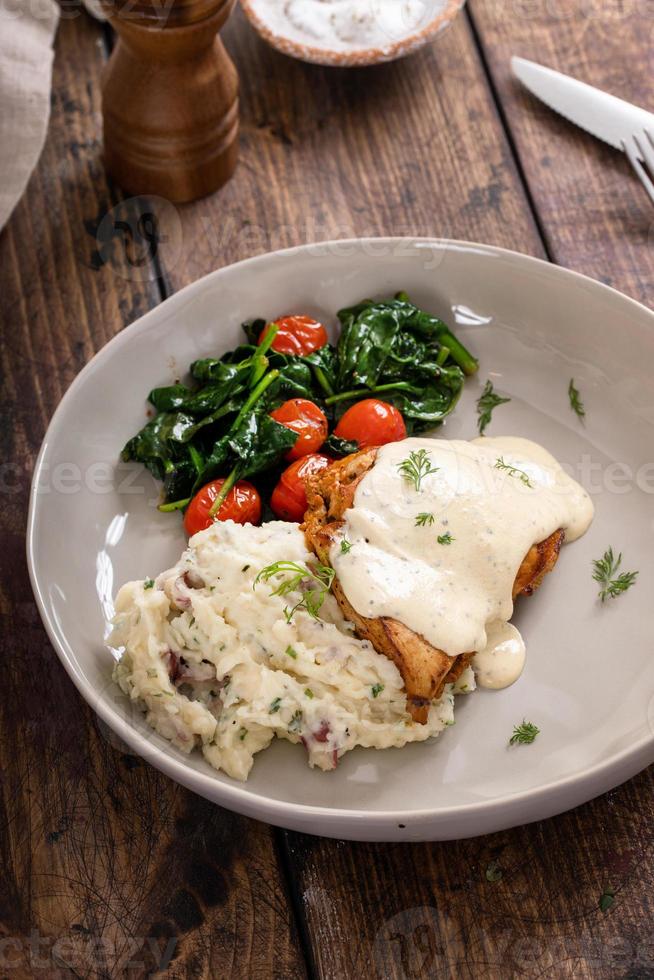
point(640, 150)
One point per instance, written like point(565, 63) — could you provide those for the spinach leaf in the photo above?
point(405, 356)
point(179, 481)
point(364, 344)
point(324, 364)
point(202, 402)
point(337, 447)
point(256, 444)
point(252, 329)
point(154, 444)
point(220, 371)
point(219, 423)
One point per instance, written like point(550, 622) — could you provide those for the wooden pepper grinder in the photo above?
point(170, 98)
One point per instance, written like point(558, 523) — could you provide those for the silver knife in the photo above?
point(604, 116)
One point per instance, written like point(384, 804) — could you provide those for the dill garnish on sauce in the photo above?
point(513, 471)
point(416, 467)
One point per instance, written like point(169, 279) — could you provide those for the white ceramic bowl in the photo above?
point(439, 15)
point(589, 678)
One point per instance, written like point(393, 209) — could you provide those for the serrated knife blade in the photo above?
point(599, 113)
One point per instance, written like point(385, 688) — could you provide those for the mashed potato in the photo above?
point(215, 664)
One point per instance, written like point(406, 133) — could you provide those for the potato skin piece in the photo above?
point(424, 668)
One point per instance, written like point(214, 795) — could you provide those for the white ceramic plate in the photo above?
point(589, 680)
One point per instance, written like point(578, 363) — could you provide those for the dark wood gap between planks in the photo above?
point(508, 132)
point(295, 899)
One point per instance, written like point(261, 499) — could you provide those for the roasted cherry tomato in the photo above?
point(371, 423)
point(296, 335)
point(289, 499)
point(242, 504)
point(302, 416)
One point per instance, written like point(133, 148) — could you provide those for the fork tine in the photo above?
point(632, 148)
point(644, 144)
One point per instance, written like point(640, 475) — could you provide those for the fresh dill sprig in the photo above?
point(524, 734)
point(424, 519)
point(416, 467)
point(487, 401)
point(513, 471)
point(605, 571)
point(576, 403)
point(345, 546)
point(445, 538)
point(314, 584)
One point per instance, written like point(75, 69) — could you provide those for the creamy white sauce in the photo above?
point(346, 25)
point(453, 593)
point(502, 660)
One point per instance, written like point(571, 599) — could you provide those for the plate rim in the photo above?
point(597, 778)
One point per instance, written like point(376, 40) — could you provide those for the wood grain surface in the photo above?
point(108, 868)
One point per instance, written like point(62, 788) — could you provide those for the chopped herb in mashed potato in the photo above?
point(216, 665)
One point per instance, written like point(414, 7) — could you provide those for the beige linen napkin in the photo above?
point(27, 29)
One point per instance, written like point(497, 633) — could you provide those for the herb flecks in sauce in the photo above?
point(492, 522)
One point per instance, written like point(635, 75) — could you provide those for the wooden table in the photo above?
point(109, 869)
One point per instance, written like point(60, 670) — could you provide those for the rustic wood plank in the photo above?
point(336, 153)
point(596, 217)
point(430, 910)
point(108, 868)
